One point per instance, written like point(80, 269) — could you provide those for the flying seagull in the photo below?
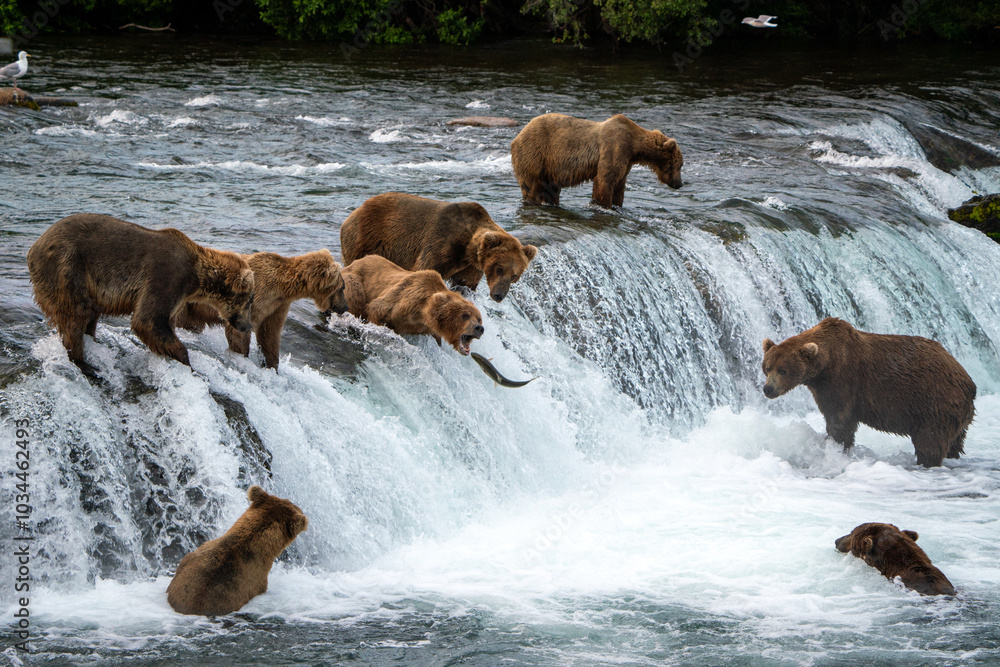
point(16, 70)
point(762, 21)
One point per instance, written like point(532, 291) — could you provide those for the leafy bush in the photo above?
point(453, 27)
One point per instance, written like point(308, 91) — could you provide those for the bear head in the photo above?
point(323, 281)
point(895, 553)
point(503, 259)
point(865, 539)
point(227, 282)
point(790, 364)
point(454, 319)
point(274, 522)
point(668, 162)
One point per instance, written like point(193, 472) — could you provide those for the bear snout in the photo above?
point(676, 183)
point(478, 330)
point(843, 544)
point(499, 291)
point(771, 391)
point(240, 322)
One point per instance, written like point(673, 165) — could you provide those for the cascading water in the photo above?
point(640, 502)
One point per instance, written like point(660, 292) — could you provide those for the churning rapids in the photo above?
point(641, 502)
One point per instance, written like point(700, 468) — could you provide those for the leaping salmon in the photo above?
point(492, 372)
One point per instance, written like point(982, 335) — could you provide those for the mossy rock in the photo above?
point(980, 212)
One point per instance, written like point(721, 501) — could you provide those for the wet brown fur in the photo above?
point(278, 281)
point(895, 553)
point(904, 385)
point(458, 240)
point(88, 265)
point(409, 302)
point(556, 151)
point(222, 575)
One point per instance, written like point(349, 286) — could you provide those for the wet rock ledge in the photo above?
point(23, 99)
point(980, 212)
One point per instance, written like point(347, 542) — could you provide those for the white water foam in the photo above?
point(477, 104)
point(493, 164)
point(326, 121)
point(247, 167)
point(66, 131)
point(204, 101)
point(120, 116)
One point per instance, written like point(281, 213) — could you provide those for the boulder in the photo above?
point(484, 121)
point(948, 152)
point(981, 212)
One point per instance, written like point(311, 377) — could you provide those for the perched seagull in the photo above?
point(762, 21)
point(14, 71)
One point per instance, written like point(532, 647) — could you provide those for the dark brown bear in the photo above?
point(555, 151)
point(89, 265)
point(410, 302)
point(895, 553)
point(278, 281)
point(905, 385)
point(458, 240)
point(223, 574)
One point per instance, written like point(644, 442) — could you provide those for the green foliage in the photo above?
point(453, 27)
point(328, 19)
point(565, 18)
point(649, 20)
point(10, 17)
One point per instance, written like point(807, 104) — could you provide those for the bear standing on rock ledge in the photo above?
point(556, 151)
point(88, 265)
point(905, 385)
point(458, 240)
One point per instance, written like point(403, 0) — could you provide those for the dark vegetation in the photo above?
point(670, 24)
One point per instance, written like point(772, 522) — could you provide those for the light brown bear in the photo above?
point(895, 553)
point(410, 302)
point(278, 281)
point(905, 385)
point(223, 574)
point(556, 151)
point(88, 265)
point(458, 240)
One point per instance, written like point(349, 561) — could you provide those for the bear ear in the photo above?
point(491, 240)
point(670, 144)
point(867, 545)
point(529, 251)
point(912, 534)
point(810, 350)
point(768, 344)
point(255, 493)
point(300, 523)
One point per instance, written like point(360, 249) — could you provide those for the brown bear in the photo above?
point(895, 553)
point(556, 151)
point(278, 281)
point(410, 302)
point(458, 240)
point(905, 385)
point(88, 265)
point(223, 574)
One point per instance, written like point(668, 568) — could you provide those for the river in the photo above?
point(641, 502)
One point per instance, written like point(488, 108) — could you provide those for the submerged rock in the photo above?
point(484, 121)
point(981, 212)
point(948, 152)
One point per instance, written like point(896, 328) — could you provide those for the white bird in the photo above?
point(14, 71)
point(762, 21)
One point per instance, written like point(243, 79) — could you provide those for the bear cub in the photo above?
point(895, 553)
point(223, 574)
